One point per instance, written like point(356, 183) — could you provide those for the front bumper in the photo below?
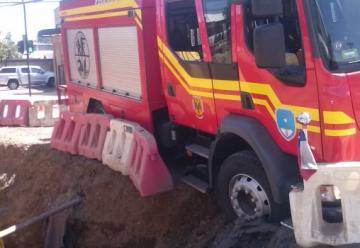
point(307, 210)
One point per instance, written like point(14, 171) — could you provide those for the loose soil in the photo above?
point(35, 178)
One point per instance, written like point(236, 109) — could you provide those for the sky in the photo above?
point(39, 16)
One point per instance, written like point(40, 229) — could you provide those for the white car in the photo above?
point(15, 76)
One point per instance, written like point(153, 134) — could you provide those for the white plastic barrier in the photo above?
point(118, 142)
point(45, 113)
point(306, 208)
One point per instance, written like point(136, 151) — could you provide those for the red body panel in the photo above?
point(331, 99)
point(119, 106)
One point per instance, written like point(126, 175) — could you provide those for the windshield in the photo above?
point(338, 33)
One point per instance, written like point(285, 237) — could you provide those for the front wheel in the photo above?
point(243, 189)
point(13, 84)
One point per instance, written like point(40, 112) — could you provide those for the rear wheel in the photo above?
point(13, 84)
point(243, 190)
point(51, 83)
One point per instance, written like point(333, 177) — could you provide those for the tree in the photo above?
point(8, 48)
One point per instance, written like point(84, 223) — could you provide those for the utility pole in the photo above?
point(27, 46)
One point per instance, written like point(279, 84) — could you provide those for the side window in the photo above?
point(24, 70)
point(183, 30)
point(218, 21)
point(290, 20)
point(36, 70)
point(8, 70)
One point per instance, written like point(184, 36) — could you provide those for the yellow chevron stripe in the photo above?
point(265, 103)
point(97, 16)
point(337, 117)
point(250, 87)
point(99, 7)
point(265, 89)
point(340, 132)
point(183, 84)
point(227, 97)
point(138, 13)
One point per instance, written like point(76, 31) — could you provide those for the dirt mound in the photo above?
point(36, 178)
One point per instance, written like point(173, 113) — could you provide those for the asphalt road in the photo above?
point(38, 94)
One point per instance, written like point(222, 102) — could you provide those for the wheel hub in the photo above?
point(248, 198)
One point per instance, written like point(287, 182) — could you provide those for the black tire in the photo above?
point(13, 84)
point(96, 107)
point(247, 163)
point(51, 83)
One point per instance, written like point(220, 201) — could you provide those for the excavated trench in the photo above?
point(35, 178)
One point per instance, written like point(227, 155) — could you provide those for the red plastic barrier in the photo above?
point(14, 112)
point(93, 134)
point(65, 136)
point(147, 170)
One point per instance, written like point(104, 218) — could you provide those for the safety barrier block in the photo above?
point(14, 112)
point(118, 143)
point(45, 113)
point(306, 207)
point(147, 170)
point(93, 134)
point(66, 133)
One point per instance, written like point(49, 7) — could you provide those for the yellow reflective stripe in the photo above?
point(99, 7)
point(98, 16)
point(227, 85)
point(193, 82)
point(265, 89)
point(138, 13)
point(227, 97)
point(340, 132)
point(337, 117)
point(266, 105)
point(190, 91)
point(310, 128)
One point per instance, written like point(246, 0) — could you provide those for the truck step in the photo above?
point(199, 150)
point(196, 183)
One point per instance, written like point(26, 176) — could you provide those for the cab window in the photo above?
point(24, 70)
point(217, 18)
point(183, 30)
point(294, 50)
point(36, 70)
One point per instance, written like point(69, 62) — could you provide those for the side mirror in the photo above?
point(269, 46)
point(266, 8)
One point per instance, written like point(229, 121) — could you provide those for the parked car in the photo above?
point(15, 76)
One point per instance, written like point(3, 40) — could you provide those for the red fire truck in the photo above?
point(221, 83)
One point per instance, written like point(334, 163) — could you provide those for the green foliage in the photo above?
point(8, 48)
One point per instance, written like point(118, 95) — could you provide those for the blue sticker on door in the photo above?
point(285, 121)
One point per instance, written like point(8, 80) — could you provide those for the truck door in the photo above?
point(220, 33)
point(184, 56)
point(23, 75)
point(279, 95)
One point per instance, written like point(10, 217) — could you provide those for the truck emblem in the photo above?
point(285, 121)
point(82, 55)
point(198, 106)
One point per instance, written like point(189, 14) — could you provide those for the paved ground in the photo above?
point(38, 93)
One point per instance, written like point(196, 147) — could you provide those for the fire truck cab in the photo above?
point(222, 82)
